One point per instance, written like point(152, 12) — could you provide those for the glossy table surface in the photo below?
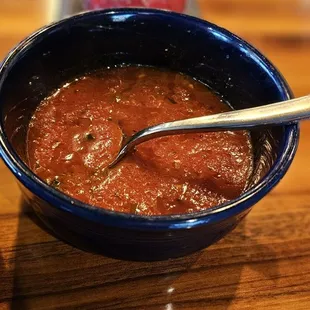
point(263, 264)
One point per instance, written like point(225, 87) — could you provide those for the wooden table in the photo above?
point(263, 264)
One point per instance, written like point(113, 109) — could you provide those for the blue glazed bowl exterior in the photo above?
point(59, 52)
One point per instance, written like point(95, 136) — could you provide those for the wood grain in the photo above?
point(263, 264)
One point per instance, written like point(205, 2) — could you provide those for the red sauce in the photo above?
point(75, 134)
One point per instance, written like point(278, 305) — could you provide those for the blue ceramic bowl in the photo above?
point(79, 44)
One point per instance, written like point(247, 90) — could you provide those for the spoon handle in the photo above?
point(280, 113)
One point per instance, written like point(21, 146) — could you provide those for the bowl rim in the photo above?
point(177, 221)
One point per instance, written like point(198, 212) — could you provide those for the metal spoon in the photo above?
point(280, 113)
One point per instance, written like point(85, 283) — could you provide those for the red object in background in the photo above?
point(173, 5)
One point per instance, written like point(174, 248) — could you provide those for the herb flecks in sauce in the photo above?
point(78, 131)
point(55, 182)
point(89, 137)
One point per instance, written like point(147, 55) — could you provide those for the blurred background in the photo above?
point(279, 28)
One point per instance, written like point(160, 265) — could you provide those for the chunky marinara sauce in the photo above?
point(75, 134)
